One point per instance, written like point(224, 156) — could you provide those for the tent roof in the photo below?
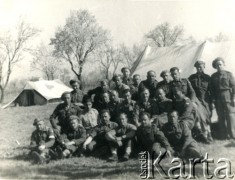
point(184, 57)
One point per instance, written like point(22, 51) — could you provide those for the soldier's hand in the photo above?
point(41, 147)
point(118, 138)
point(119, 143)
point(84, 146)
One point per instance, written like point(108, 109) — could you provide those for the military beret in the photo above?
point(36, 121)
point(197, 63)
point(164, 72)
point(74, 81)
point(124, 68)
point(216, 61)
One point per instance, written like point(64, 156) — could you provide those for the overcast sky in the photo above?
point(127, 20)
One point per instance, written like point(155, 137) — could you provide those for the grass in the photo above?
point(15, 131)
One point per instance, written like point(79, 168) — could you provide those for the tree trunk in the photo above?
point(2, 94)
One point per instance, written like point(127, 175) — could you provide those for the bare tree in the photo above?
point(80, 36)
point(45, 62)
point(12, 49)
point(165, 35)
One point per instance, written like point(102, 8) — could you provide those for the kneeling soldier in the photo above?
point(41, 140)
point(121, 139)
point(71, 142)
point(150, 138)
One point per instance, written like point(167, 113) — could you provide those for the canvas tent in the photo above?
point(184, 57)
point(39, 93)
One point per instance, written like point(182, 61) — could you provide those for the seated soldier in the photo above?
point(164, 106)
point(72, 141)
point(76, 95)
point(127, 106)
point(121, 139)
point(119, 86)
point(96, 139)
point(134, 87)
point(126, 78)
point(165, 83)
point(41, 140)
point(104, 104)
point(179, 136)
point(150, 138)
point(89, 115)
point(144, 105)
point(97, 93)
point(60, 117)
point(113, 105)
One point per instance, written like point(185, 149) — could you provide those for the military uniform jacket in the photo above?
point(62, 114)
point(164, 106)
point(128, 109)
point(166, 87)
point(146, 136)
point(97, 92)
point(77, 96)
point(184, 107)
point(178, 135)
point(149, 107)
point(134, 92)
point(113, 109)
point(223, 86)
point(129, 130)
point(46, 137)
point(152, 87)
point(201, 84)
point(185, 86)
point(78, 135)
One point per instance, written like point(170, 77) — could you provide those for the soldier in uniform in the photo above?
point(150, 138)
point(76, 95)
point(119, 85)
point(201, 84)
point(71, 142)
point(42, 140)
point(223, 95)
point(165, 83)
point(179, 136)
point(60, 117)
point(126, 78)
point(121, 139)
point(97, 93)
point(104, 104)
point(134, 87)
point(181, 83)
point(150, 83)
point(97, 139)
point(127, 106)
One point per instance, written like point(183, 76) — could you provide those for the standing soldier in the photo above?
point(41, 140)
point(126, 79)
point(182, 84)
point(135, 87)
point(165, 83)
point(223, 95)
point(98, 92)
point(119, 86)
point(150, 83)
point(60, 117)
point(76, 94)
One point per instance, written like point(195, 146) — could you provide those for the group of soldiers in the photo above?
point(132, 116)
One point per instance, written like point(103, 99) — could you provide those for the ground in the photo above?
point(17, 126)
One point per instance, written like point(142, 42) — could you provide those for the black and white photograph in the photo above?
point(117, 89)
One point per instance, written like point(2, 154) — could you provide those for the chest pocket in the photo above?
point(224, 82)
point(204, 84)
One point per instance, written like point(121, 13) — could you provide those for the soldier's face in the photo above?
point(200, 68)
point(122, 119)
point(88, 105)
point(127, 96)
point(104, 86)
point(118, 81)
point(161, 94)
point(145, 120)
point(67, 99)
point(114, 96)
point(40, 125)
point(106, 97)
point(175, 75)
point(126, 73)
point(151, 76)
point(136, 79)
point(173, 118)
point(166, 77)
point(145, 95)
point(74, 124)
point(75, 86)
point(220, 65)
point(105, 118)
point(178, 95)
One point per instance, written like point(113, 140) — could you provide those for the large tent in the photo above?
point(184, 57)
point(39, 93)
